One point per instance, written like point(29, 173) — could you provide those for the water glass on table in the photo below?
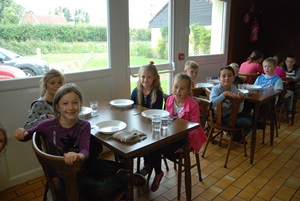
point(156, 123)
point(208, 79)
point(94, 106)
point(165, 121)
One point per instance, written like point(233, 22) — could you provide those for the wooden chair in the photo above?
point(51, 163)
point(243, 78)
point(251, 77)
point(207, 93)
point(216, 123)
point(281, 106)
point(205, 105)
point(198, 92)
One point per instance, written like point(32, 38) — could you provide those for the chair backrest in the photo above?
point(205, 106)
point(243, 78)
point(52, 163)
point(251, 77)
point(207, 92)
point(233, 115)
point(197, 92)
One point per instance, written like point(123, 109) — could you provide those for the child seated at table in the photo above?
point(279, 70)
point(69, 136)
point(269, 80)
point(225, 89)
point(291, 69)
point(182, 105)
point(252, 65)
point(148, 93)
point(272, 81)
point(237, 79)
point(191, 69)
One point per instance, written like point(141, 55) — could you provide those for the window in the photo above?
point(69, 35)
point(206, 22)
point(149, 36)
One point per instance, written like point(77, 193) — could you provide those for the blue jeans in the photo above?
point(242, 121)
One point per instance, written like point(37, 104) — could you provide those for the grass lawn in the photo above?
point(93, 61)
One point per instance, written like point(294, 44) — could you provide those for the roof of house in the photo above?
point(200, 14)
point(43, 19)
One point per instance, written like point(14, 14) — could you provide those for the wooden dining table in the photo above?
point(178, 130)
point(258, 99)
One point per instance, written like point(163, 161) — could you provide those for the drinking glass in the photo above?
point(94, 106)
point(164, 122)
point(156, 123)
point(208, 79)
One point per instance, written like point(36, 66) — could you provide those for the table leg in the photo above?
point(272, 121)
point(129, 174)
point(294, 108)
point(254, 129)
point(187, 163)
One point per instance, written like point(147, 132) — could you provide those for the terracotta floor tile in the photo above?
point(225, 182)
point(230, 192)
point(285, 193)
point(211, 193)
point(267, 192)
point(248, 192)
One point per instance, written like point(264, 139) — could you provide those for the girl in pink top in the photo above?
point(279, 70)
point(253, 65)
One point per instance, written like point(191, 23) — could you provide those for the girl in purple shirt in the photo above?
point(67, 135)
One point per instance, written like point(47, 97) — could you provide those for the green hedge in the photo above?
point(61, 33)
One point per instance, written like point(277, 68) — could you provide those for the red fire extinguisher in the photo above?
point(254, 31)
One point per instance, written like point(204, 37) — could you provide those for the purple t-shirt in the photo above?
point(60, 140)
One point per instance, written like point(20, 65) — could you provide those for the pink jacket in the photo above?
point(191, 113)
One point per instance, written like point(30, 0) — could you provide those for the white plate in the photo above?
point(85, 112)
point(109, 127)
point(121, 103)
point(252, 87)
point(149, 113)
point(244, 91)
point(203, 85)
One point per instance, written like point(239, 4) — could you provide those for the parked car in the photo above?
point(30, 66)
point(10, 72)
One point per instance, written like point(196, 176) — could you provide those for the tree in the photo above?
point(81, 17)
point(65, 11)
point(10, 12)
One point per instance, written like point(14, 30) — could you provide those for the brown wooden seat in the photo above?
point(205, 106)
point(251, 77)
point(50, 163)
point(207, 93)
point(281, 106)
point(243, 78)
point(198, 92)
point(216, 123)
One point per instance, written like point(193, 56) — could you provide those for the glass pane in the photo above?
point(206, 22)
point(148, 23)
point(70, 35)
point(149, 39)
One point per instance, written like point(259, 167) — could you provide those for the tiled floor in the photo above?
point(275, 174)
